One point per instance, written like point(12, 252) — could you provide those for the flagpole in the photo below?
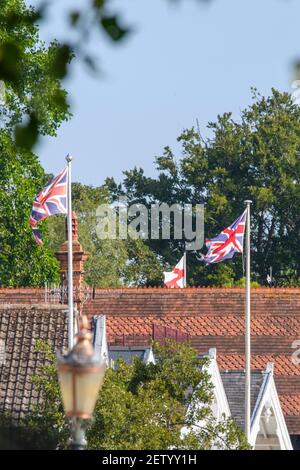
point(70, 257)
point(184, 267)
point(248, 329)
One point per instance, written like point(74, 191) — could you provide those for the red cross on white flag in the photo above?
point(176, 278)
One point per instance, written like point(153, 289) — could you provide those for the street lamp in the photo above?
point(81, 373)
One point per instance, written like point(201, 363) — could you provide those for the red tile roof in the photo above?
point(214, 317)
point(291, 405)
point(217, 325)
point(283, 364)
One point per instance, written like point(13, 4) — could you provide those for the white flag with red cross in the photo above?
point(176, 277)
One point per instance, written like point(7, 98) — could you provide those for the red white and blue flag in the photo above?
point(176, 277)
point(50, 201)
point(227, 243)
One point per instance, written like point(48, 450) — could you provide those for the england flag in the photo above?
point(176, 277)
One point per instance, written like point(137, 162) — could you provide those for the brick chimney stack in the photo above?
point(79, 258)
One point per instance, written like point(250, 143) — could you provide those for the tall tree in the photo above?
point(22, 262)
point(256, 157)
point(32, 101)
point(139, 407)
point(112, 262)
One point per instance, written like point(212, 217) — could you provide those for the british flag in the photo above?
point(227, 243)
point(50, 201)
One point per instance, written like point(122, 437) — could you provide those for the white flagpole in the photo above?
point(184, 267)
point(70, 258)
point(248, 329)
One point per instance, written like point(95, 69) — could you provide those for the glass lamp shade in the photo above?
point(81, 376)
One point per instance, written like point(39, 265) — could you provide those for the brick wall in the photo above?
point(131, 301)
point(191, 301)
point(21, 295)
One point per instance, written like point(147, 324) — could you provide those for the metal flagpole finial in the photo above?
point(69, 158)
point(248, 201)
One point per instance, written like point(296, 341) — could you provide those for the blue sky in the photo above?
point(181, 63)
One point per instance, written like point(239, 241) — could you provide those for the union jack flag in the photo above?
point(227, 243)
point(50, 201)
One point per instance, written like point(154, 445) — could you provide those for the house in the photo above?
point(214, 318)
point(268, 429)
point(268, 426)
point(207, 317)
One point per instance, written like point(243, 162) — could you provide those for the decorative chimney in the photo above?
point(79, 258)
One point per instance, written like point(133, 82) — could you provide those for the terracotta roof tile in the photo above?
point(212, 317)
point(202, 325)
point(283, 365)
point(290, 404)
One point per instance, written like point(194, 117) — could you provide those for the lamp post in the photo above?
point(81, 375)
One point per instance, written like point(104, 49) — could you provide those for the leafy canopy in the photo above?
point(139, 407)
point(32, 99)
point(22, 262)
point(32, 102)
point(111, 262)
point(98, 16)
point(257, 158)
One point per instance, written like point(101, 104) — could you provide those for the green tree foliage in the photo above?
point(256, 157)
point(139, 407)
point(36, 103)
point(157, 402)
point(32, 99)
point(98, 16)
point(22, 262)
point(32, 102)
point(111, 262)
